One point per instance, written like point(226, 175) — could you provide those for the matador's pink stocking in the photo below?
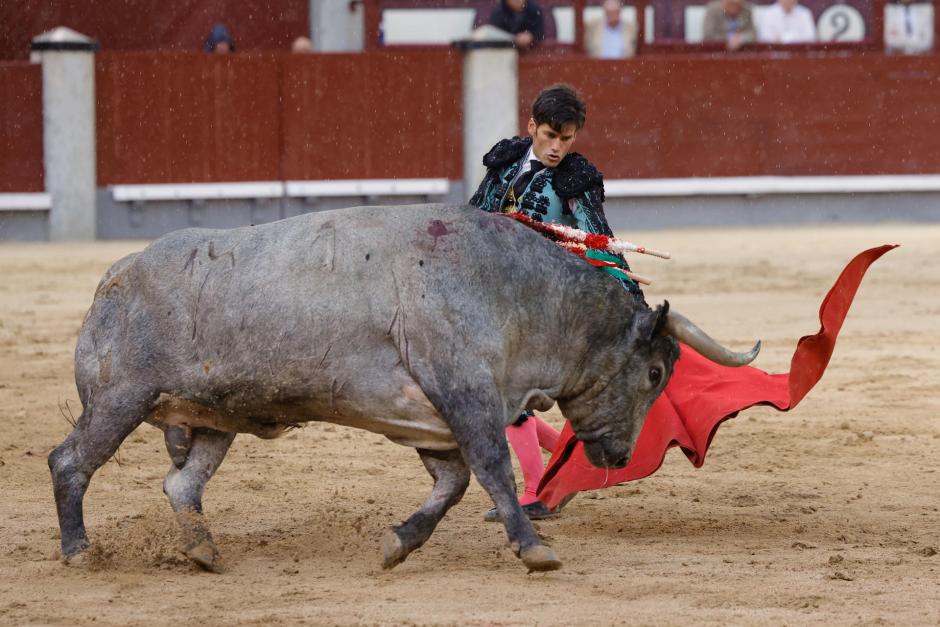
point(525, 441)
point(548, 435)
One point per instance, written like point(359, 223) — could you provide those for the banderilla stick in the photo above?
point(591, 240)
point(581, 250)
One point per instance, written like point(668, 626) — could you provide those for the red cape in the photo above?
point(701, 395)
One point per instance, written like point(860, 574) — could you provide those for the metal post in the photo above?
point(373, 23)
point(641, 26)
point(877, 36)
point(68, 113)
point(490, 97)
point(578, 6)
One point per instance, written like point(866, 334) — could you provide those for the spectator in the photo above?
point(786, 22)
point(909, 27)
point(730, 21)
point(610, 36)
point(301, 45)
point(219, 40)
point(523, 19)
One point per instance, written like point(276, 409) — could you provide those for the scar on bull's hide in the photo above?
point(113, 282)
point(190, 263)
point(392, 323)
point(332, 249)
point(196, 304)
point(104, 368)
point(437, 229)
point(402, 336)
point(328, 226)
point(213, 255)
point(322, 359)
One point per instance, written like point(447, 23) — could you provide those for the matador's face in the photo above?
point(551, 145)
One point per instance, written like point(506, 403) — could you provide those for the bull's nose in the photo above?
point(620, 462)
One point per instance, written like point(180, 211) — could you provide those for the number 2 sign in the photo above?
point(841, 22)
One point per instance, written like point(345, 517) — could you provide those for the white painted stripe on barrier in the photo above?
point(39, 201)
point(761, 185)
point(368, 187)
point(277, 189)
point(198, 191)
point(615, 188)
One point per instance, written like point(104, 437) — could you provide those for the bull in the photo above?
point(432, 325)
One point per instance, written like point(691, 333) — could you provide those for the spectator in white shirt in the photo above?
point(610, 36)
point(786, 22)
point(909, 27)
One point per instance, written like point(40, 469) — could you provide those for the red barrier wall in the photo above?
point(146, 25)
point(168, 118)
point(173, 118)
point(660, 117)
point(373, 115)
point(21, 165)
point(187, 117)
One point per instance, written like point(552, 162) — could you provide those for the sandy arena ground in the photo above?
point(827, 514)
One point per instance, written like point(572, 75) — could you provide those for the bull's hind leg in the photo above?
point(184, 486)
point(107, 419)
point(451, 478)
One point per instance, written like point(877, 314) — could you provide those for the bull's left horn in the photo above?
point(685, 331)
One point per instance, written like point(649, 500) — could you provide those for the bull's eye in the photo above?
point(655, 375)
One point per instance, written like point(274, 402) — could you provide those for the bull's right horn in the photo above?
point(681, 328)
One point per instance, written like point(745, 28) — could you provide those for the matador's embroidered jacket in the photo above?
point(571, 194)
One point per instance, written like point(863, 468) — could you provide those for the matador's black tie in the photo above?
point(519, 186)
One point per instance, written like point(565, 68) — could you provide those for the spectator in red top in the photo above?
point(523, 19)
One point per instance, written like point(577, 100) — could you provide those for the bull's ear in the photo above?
point(662, 315)
point(648, 323)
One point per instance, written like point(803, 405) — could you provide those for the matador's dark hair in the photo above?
point(558, 105)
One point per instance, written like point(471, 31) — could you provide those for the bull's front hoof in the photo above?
point(206, 555)
point(76, 554)
point(76, 560)
point(393, 551)
point(540, 558)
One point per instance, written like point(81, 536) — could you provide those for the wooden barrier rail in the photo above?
point(749, 115)
point(170, 118)
point(21, 166)
point(187, 118)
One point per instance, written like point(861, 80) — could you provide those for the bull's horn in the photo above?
point(685, 331)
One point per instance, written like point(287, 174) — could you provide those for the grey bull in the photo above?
point(433, 325)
